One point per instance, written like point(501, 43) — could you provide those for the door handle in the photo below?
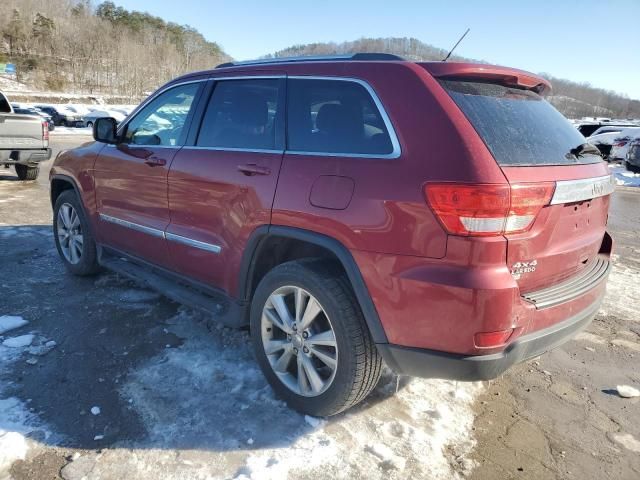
point(154, 161)
point(253, 169)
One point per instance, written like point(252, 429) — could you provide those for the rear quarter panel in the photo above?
point(388, 212)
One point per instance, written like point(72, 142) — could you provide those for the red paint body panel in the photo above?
point(211, 201)
point(129, 189)
point(563, 238)
point(431, 290)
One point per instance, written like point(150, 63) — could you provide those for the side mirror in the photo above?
point(104, 130)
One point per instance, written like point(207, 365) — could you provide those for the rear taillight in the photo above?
point(485, 210)
point(45, 130)
point(620, 144)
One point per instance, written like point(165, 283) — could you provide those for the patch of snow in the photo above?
point(8, 84)
point(314, 421)
point(626, 391)
point(210, 395)
point(10, 322)
point(85, 131)
point(624, 177)
point(628, 441)
point(622, 298)
point(13, 446)
point(19, 342)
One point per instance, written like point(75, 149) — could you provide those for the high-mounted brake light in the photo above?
point(486, 210)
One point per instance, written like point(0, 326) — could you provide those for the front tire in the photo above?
point(311, 340)
point(73, 236)
point(25, 172)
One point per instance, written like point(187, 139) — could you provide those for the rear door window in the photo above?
point(519, 126)
point(335, 117)
point(242, 115)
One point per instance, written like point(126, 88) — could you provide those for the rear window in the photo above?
point(335, 117)
point(518, 126)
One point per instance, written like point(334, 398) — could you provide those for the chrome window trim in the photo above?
point(154, 232)
point(568, 191)
point(209, 247)
point(397, 150)
point(232, 149)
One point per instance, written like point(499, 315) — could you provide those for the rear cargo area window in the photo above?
point(519, 126)
point(334, 116)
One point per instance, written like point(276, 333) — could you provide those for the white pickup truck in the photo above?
point(24, 141)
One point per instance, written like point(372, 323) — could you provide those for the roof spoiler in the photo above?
point(509, 77)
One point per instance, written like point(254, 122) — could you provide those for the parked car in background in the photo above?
point(632, 158)
point(24, 141)
point(61, 115)
point(124, 110)
point(90, 118)
point(609, 136)
point(588, 128)
point(307, 199)
point(34, 111)
point(621, 143)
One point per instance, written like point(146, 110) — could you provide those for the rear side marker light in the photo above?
point(492, 339)
point(487, 210)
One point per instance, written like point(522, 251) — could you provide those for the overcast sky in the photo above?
point(586, 41)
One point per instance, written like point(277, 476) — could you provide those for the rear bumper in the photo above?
point(435, 364)
point(25, 157)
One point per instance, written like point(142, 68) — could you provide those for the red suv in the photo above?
point(442, 217)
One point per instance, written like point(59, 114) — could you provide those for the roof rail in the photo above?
point(371, 57)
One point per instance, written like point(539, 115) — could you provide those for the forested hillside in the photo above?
point(78, 46)
point(573, 99)
point(70, 45)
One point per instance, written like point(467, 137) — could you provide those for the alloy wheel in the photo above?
point(69, 230)
point(299, 341)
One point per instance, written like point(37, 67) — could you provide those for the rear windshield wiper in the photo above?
point(584, 149)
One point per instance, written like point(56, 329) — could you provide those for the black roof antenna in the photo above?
point(454, 47)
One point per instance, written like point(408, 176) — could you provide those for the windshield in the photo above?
point(519, 126)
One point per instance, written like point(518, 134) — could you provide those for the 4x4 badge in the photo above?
point(520, 268)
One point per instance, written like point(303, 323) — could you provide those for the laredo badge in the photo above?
point(520, 268)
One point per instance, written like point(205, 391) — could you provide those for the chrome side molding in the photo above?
point(154, 232)
point(209, 247)
point(568, 191)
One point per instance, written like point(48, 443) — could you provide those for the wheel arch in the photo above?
point(269, 246)
point(61, 183)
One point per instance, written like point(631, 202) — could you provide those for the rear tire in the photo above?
point(354, 364)
point(631, 168)
point(25, 172)
point(72, 233)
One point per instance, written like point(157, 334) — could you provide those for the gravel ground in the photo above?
point(560, 416)
point(139, 387)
